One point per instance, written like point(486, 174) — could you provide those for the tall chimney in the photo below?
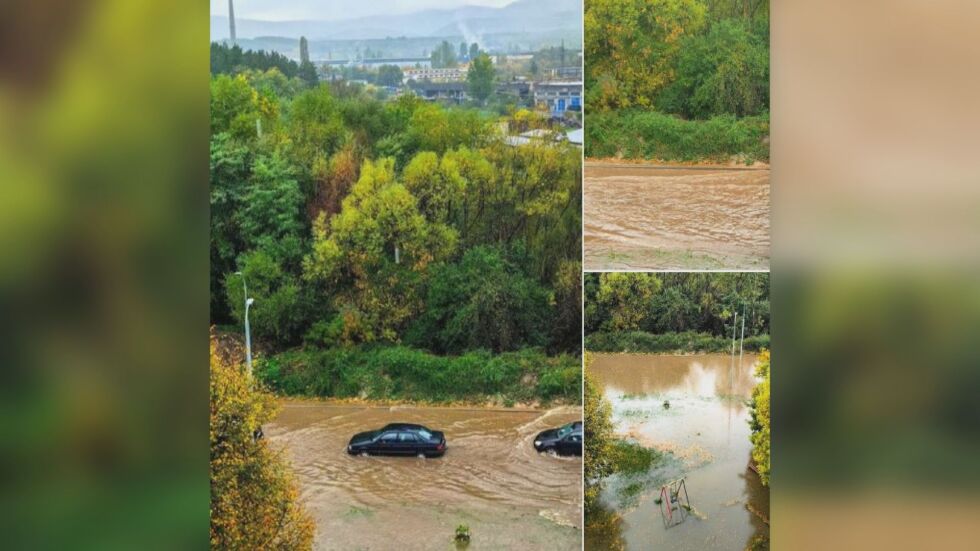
point(231, 19)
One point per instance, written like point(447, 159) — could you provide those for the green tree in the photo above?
point(304, 50)
point(271, 216)
point(229, 173)
point(480, 77)
point(723, 71)
point(315, 126)
point(630, 46)
point(474, 51)
point(254, 498)
point(374, 255)
point(761, 420)
point(389, 75)
point(236, 106)
point(463, 50)
point(484, 302)
point(597, 416)
point(281, 311)
point(626, 297)
point(307, 73)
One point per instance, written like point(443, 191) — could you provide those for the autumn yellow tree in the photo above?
point(761, 420)
point(254, 500)
point(630, 46)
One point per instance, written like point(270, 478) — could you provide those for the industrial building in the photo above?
point(558, 96)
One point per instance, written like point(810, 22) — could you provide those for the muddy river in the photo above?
point(704, 429)
point(651, 217)
point(490, 479)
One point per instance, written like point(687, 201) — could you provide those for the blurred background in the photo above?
point(103, 277)
point(875, 289)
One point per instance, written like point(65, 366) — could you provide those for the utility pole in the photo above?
point(734, 330)
point(741, 342)
point(231, 21)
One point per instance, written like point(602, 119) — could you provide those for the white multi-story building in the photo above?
point(454, 74)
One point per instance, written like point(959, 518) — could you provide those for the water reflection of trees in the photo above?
point(604, 529)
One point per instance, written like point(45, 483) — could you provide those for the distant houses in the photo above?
point(559, 96)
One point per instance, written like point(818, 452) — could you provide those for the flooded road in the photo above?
point(490, 479)
point(651, 217)
point(706, 431)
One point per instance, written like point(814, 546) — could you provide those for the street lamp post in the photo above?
point(248, 334)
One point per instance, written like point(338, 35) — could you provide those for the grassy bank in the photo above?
point(401, 373)
point(681, 343)
point(655, 136)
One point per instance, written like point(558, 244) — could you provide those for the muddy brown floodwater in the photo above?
point(706, 431)
point(652, 217)
point(490, 479)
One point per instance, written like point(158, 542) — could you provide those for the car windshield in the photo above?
point(565, 430)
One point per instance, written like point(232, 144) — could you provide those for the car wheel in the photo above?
point(364, 454)
point(421, 455)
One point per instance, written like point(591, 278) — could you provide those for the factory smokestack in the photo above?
point(231, 19)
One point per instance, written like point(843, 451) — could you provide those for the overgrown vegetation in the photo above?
point(677, 79)
point(686, 342)
point(650, 135)
point(360, 224)
point(598, 440)
point(254, 499)
point(761, 426)
point(631, 459)
point(690, 303)
point(400, 373)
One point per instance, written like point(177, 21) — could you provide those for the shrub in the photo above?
point(761, 427)
point(686, 342)
point(398, 372)
point(254, 499)
point(656, 136)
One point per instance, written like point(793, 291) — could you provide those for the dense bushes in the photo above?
point(677, 302)
point(401, 373)
point(597, 415)
point(761, 421)
point(657, 136)
point(687, 342)
point(677, 80)
point(254, 498)
point(400, 221)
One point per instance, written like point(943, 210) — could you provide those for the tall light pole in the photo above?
point(248, 334)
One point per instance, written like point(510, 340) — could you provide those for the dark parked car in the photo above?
point(565, 440)
point(399, 439)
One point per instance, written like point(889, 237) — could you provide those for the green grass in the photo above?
point(686, 342)
point(652, 135)
point(632, 459)
point(401, 373)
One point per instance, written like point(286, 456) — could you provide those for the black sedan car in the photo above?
point(399, 439)
point(565, 440)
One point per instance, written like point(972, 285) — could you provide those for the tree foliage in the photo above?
point(631, 46)
point(480, 77)
point(677, 302)
point(597, 416)
point(315, 209)
point(254, 499)
point(761, 420)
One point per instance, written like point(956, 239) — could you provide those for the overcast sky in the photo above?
point(282, 10)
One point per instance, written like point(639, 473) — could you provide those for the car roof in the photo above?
point(404, 426)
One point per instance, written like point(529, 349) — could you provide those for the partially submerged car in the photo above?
point(399, 439)
point(565, 440)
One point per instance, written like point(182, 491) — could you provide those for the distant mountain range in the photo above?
point(470, 22)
